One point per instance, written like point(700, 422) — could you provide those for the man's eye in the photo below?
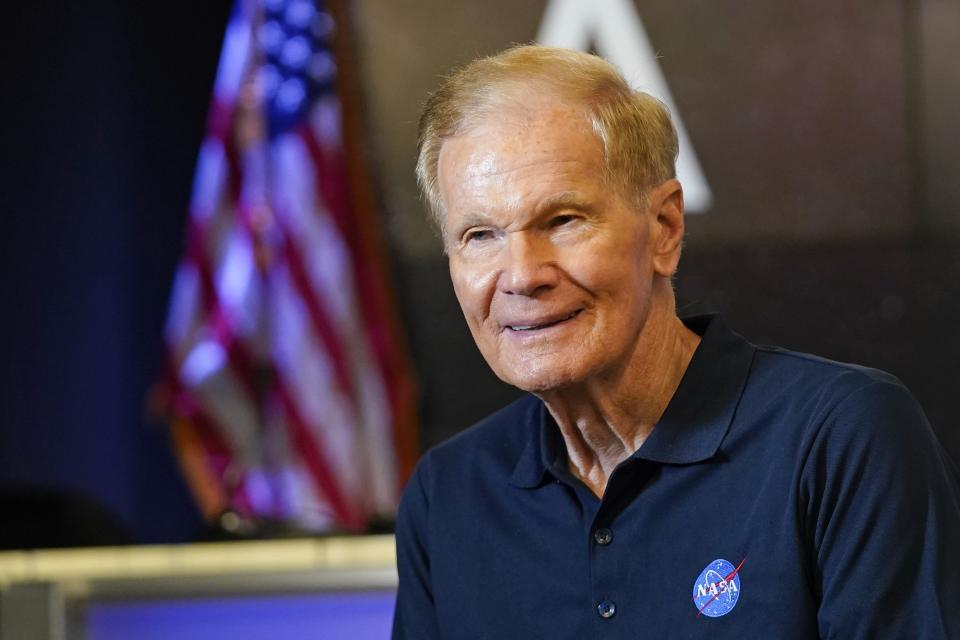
point(559, 221)
point(478, 235)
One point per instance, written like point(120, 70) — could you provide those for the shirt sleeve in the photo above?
point(415, 614)
point(883, 517)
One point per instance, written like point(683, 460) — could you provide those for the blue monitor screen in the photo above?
point(361, 615)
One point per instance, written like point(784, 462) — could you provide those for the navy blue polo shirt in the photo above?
point(780, 496)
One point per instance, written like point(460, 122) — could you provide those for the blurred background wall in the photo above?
point(827, 132)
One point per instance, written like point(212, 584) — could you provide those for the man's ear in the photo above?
point(666, 216)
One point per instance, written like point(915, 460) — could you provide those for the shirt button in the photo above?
point(606, 608)
point(603, 536)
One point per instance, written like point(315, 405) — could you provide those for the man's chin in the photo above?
point(541, 380)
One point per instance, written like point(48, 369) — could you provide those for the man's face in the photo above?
point(552, 268)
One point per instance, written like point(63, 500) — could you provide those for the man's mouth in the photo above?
point(544, 324)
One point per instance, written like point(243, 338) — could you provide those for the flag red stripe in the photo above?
point(241, 364)
point(320, 319)
point(240, 360)
point(185, 404)
point(311, 450)
point(220, 128)
point(332, 183)
point(375, 308)
point(188, 406)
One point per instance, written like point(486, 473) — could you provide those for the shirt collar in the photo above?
point(541, 452)
point(694, 423)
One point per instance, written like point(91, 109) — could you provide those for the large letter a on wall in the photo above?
point(615, 29)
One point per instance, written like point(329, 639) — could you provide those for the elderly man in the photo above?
point(664, 478)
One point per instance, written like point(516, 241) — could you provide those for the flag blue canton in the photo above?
point(295, 37)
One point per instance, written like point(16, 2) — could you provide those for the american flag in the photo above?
point(291, 395)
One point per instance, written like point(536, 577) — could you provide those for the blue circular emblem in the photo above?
point(717, 589)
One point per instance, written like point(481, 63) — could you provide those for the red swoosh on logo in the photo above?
point(729, 577)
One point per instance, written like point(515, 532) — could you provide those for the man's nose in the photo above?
point(529, 265)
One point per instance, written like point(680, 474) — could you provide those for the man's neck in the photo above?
point(605, 420)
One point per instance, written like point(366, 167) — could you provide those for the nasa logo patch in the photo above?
point(717, 588)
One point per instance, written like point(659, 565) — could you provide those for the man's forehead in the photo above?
point(527, 111)
point(536, 158)
point(518, 134)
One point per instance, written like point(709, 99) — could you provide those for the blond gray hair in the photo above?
point(637, 137)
